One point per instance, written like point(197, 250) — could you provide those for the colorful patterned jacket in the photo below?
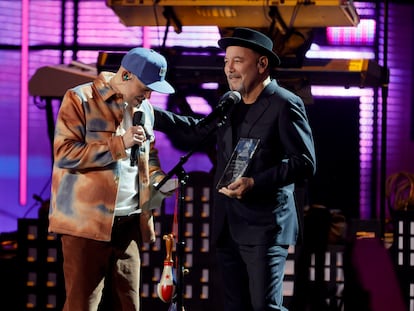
point(86, 173)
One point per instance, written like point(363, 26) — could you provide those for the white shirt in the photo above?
point(128, 197)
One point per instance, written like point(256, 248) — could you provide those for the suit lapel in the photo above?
point(251, 118)
point(256, 110)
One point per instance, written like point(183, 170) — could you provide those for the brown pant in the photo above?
point(91, 265)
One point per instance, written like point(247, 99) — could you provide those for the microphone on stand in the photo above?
point(226, 101)
point(138, 119)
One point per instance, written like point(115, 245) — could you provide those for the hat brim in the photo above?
point(161, 87)
point(230, 41)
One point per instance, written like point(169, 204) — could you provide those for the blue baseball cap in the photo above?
point(150, 67)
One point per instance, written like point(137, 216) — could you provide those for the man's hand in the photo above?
point(135, 135)
point(238, 188)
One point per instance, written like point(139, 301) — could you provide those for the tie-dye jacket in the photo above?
point(86, 152)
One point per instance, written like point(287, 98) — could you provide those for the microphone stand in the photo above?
point(179, 171)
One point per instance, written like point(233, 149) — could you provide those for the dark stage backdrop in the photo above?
point(335, 124)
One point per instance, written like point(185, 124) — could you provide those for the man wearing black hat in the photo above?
point(255, 217)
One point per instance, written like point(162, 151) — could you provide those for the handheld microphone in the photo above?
point(138, 119)
point(226, 101)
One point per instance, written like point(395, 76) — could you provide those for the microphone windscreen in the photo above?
point(139, 118)
point(230, 97)
point(235, 96)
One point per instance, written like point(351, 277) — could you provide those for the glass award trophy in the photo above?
point(239, 161)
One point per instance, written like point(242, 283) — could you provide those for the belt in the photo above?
point(118, 220)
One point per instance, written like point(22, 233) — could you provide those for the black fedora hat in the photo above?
point(251, 39)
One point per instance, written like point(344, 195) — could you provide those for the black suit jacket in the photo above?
point(285, 157)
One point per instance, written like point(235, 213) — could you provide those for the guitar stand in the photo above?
point(178, 170)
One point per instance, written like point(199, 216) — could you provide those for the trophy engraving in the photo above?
point(239, 161)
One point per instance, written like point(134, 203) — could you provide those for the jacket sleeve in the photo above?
point(166, 121)
point(84, 142)
point(187, 129)
point(299, 161)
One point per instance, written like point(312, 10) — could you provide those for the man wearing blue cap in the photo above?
point(104, 165)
